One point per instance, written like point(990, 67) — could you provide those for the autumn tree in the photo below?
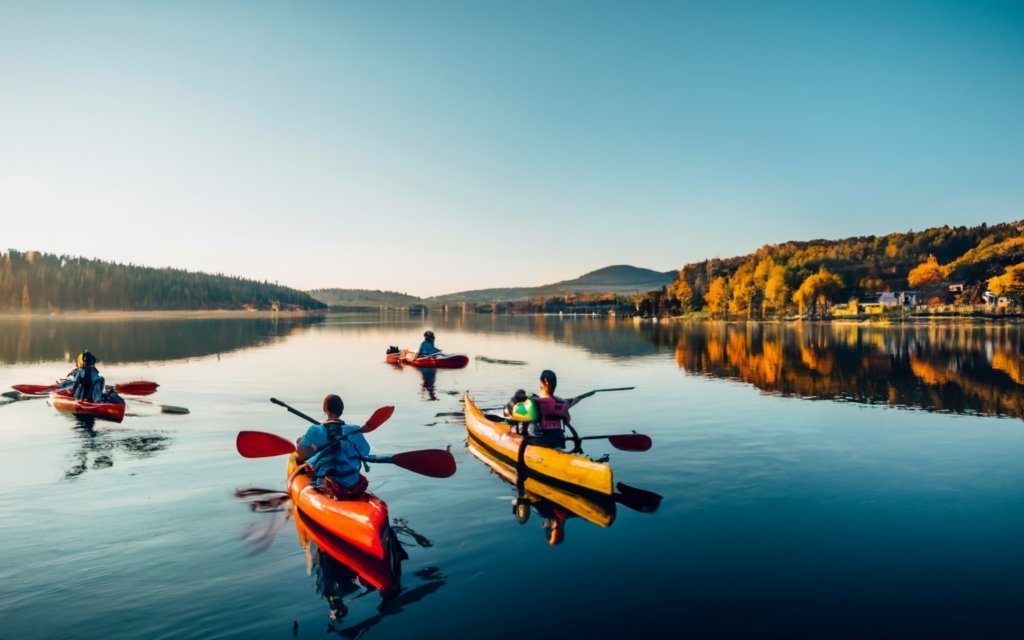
point(776, 290)
point(1011, 283)
point(717, 295)
point(928, 273)
point(816, 290)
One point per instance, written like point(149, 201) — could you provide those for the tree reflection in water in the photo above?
point(954, 368)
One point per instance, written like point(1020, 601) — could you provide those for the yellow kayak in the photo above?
point(497, 438)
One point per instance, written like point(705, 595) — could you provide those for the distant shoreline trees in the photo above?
point(40, 282)
point(950, 265)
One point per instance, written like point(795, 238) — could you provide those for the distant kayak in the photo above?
point(436, 361)
point(63, 401)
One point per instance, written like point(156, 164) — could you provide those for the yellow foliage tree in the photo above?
point(816, 290)
point(717, 295)
point(776, 291)
point(929, 272)
point(1011, 283)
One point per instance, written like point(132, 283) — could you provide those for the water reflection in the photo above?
point(97, 448)
point(343, 574)
point(557, 503)
point(954, 368)
point(428, 388)
point(139, 339)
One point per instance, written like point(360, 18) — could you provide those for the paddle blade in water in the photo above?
point(259, 444)
point(636, 498)
point(436, 463)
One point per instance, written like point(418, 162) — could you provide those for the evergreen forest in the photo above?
point(39, 282)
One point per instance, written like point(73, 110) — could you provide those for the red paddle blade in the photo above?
point(136, 388)
point(258, 444)
point(379, 417)
point(631, 442)
point(34, 388)
point(436, 463)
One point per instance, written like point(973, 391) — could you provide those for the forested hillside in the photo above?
point(41, 282)
point(954, 265)
point(363, 298)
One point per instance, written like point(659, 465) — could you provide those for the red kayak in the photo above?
point(436, 361)
point(63, 401)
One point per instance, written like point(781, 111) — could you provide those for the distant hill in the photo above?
point(618, 279)
point(363, 298)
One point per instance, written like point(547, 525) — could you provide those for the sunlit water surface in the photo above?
point(781, 516)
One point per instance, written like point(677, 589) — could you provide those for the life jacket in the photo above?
point(554, 412)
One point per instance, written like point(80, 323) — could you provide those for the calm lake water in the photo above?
point(819, 481)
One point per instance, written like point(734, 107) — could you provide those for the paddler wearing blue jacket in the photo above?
point(427, 347)
point(335, 451)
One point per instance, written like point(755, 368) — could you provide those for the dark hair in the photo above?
point(428, 334)
point(551, 378)
point(333, 405)
point(519, 396)
point(88, 358)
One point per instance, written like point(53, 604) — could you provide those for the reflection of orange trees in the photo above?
point(1010, 364)
point(929, 373)
point(991, 399)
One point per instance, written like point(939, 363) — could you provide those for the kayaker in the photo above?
point(335, 452)
point(88, 384)
point(427, 347)
point(546, 416)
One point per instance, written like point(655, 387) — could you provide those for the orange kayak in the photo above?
point(362, 523)
point(63, 401)
point(383, 574)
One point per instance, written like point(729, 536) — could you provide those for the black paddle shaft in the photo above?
point(293, 410)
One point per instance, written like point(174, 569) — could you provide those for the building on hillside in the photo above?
point(903, 299)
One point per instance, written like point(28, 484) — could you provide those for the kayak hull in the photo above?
point(384, 574)
point(362, 523)
point(593, 507)
point(439, 361)
point(63, 401)
point(561, 466)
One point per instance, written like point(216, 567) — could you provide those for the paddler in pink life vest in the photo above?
point(545, 416)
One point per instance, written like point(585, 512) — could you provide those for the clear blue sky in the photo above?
point(431, 147)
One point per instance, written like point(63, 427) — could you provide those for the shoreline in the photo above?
point(157, 315)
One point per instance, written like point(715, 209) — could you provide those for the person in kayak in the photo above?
point(543, 417)
point(335, 452)
point(427, 347)
point(87, 383)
